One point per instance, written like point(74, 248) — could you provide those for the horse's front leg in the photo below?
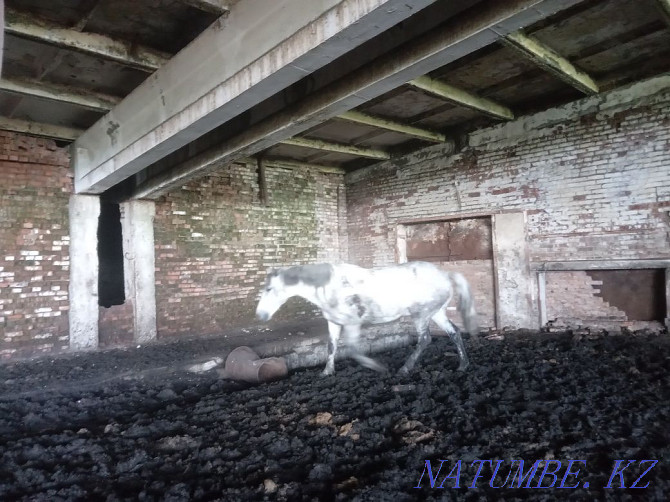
point(334, 331)
point(424, 339)
point(351, 335)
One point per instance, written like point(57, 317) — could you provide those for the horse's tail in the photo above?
point(466, 304)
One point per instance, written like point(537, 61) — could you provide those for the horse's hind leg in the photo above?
point(334, 335)
point(421, 325)
point(352, 334)
point(443, 322)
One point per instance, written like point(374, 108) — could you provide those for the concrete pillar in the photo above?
point(401, 244)
point(515, 287)
point(137, 223)
point(83, 315)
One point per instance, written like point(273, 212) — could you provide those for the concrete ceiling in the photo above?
point(406, 79)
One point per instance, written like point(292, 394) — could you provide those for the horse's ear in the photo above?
point(272, 272)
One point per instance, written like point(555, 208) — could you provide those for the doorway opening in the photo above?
point(111, 289)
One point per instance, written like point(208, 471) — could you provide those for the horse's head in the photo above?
point(301, 280)
point(273, 296)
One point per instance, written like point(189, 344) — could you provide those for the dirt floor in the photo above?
point(123, 425)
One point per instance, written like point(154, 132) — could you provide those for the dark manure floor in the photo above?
point(352, 436)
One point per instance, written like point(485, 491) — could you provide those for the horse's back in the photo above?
point(410, 282)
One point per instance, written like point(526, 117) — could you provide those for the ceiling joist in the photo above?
point(59, 93)
point(327, 146)
point(218, 7)
point(433, 50)
point(548, 59)
point(664, 6)
point(460, 97)
point(38, 129)
point(120, 51)
point(392, 125)
point(294, 164)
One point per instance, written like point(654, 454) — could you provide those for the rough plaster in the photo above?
point(139, 268)
point(84, 212)
point(514, 283)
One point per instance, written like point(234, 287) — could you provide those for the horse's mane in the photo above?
point(317, 275)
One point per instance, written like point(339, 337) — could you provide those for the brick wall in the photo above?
point(34, 236)
point(592, 176)
point(572, 299)
point(215, 242)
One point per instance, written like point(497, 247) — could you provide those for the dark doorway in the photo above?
point(110, 255)
point(638, 293)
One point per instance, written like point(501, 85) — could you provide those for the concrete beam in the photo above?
point(548, 59)
point(664, 7)
point(40, 130)
point(392, 125)
point(327, 146)
point(460, 97)
point(294, 164)
point(259, 49)
point(217, 7)
point(126, 53)
point(460, 37)
point(59, 93)
point(83, 289)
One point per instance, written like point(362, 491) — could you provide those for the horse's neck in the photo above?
point(309, 293)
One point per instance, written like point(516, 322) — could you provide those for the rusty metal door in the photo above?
point(465, 246)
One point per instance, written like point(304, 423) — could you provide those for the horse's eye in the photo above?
point(268, 289)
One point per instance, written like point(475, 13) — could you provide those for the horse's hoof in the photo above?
point(463, 367)
point(403, 371)
point(327, 372)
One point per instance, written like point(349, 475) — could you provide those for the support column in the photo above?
point(137, 222)
point(83, 315)
point(514, 284)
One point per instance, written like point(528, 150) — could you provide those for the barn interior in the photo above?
point(161, 156)
point(158, 157)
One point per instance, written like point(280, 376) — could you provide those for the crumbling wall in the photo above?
point(591, 176)
point(216, 239)
point(34, 238)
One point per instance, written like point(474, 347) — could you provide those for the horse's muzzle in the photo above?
point(263, 316)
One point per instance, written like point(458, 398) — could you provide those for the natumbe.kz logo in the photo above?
point(443, 474)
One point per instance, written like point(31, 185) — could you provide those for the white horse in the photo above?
point(350, 296)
